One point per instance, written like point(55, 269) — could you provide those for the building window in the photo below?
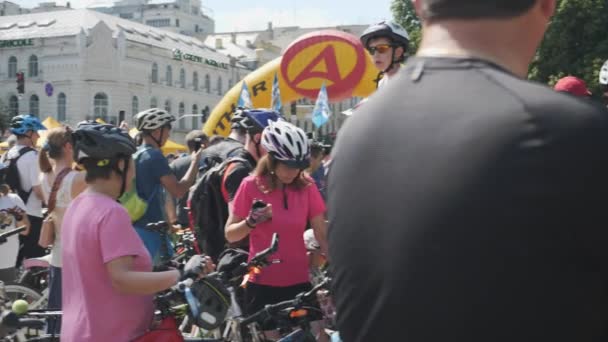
point(195, 119)
point(153, 103)
point(176, 22)
point(33, 66)
point(230, 84)
point(134, 106)
point(182, 78)
point(61, 104)
point(12, 67)
point(100, 106)
point(169, 75)
point(154, 73)
point(168, 106)
point(126, 15)
point(219, 85)
point(159, 22)
point(13, 106)
point(195, 81)
point(196, 28)
point(182, 112)
point(207, 84)
point(34, 105)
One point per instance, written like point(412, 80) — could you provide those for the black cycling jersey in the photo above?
point(467, 204)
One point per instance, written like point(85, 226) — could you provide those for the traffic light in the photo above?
point(20, 83)
point(205, 114)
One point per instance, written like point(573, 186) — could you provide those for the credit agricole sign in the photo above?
point(178, 55)
point(16, 43)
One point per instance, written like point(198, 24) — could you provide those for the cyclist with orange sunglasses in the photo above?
point(387, 42)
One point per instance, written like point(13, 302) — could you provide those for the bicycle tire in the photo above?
point(33, 297)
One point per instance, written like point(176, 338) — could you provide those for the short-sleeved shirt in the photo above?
point(476, 213)
point(235, 173)
point(150, 167)
point(9, 250)
point(29, 176)
point(97, 230)
point(290, 224)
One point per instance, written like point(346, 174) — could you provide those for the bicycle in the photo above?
point(298, 312)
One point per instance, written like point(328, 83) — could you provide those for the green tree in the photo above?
point(405, 14)
point(576, 43)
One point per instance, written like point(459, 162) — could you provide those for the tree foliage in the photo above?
point(576, 42)
point(405, 14)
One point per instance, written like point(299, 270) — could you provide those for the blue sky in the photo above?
point(243, 15)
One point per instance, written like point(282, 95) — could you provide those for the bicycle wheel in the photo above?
point(33, 297)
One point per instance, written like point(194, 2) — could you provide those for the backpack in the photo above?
point(209, 209)
point(10, 174)
point(216, 154)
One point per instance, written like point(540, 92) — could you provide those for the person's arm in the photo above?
point(24, 222)
point(177, 188)
point(125, 280)
point(236, 228)
point(79, 184)
point(319, 226)
point(170, 209)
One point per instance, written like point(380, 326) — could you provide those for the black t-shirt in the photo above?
point(466, 204)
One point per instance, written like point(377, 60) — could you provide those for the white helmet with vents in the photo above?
point(287, 143)
point(153, 118)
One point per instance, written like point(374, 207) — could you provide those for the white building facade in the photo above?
point(81, 64)
point(179, 16)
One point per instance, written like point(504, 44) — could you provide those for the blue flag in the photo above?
point(276, 104)
point(321, 113)
point(245, 99)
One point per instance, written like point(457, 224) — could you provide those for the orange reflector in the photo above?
point(298, 313)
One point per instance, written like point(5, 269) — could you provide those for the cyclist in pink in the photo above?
point(108, 281)
point(292, 200)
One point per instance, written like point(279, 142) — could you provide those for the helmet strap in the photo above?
point(123, 174)
point(158, 141)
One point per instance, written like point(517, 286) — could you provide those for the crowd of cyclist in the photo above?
point(268, 176)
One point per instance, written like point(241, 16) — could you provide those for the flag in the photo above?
point(245, 99)
point(276, 104)
point(321, 113)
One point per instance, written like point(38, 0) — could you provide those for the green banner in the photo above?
point(179, 56)
point(16, 43)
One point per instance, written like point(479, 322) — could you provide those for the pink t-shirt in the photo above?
point(289, 223)
point(95, 231)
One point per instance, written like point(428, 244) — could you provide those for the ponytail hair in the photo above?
point(56, 139)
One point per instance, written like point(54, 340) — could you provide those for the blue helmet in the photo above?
point(255, 120)
point(20, 124)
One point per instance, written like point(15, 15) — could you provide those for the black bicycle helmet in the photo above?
point(236, 119)
point(213, 302)
point(101, 141)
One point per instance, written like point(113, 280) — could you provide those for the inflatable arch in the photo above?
point(334, 57)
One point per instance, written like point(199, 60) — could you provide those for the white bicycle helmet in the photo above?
point(604, 74)
point(153, 118)
point(389, 29)
point(287, 143)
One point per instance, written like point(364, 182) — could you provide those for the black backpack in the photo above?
point(10, 174)
point(209, 209)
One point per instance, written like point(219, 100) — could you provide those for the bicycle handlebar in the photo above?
point(297, 303)
point(5, 236)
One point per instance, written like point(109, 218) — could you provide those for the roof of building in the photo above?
point(72, 22)
point(282, 37)
point(239, 49)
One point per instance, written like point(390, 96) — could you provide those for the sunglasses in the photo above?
point(381, 48)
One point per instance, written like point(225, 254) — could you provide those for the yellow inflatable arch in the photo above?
point(332, 57)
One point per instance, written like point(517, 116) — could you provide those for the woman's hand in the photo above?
point(259, 215)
